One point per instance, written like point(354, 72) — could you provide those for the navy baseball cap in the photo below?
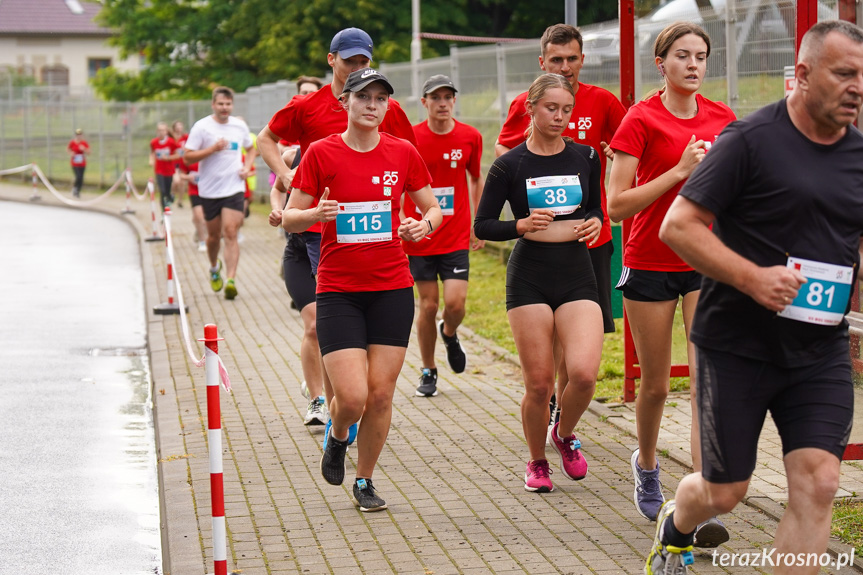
point(350, 42)
point(359, 79)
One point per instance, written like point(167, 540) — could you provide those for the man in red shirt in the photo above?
point(78, 150)
point(595, 118)
point(452, 152)
point(307, 119)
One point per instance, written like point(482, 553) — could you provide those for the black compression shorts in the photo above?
point(452, 266)
point(812, 406)
point(549, 273)
point(359, 319)
point(647, 285)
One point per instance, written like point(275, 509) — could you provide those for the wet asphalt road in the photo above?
point(79, 491)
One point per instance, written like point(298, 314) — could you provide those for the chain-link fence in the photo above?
point(37, 123)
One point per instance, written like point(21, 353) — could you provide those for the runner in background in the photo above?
point(163, 154)
point(658, 145)
point(215, 142)
point(179, 184)
point(78, 149)
point(364, 290)
point(310, 118)
point(452, 152)
point(189, 174)
point(595, 118)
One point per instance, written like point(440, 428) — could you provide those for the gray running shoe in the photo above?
point(648, 490)
point(711, 533)
point(428, 383)
point(366, 497)
point(333, 461)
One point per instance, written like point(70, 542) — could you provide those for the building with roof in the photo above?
point(57, 42)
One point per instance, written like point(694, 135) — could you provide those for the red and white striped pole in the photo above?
point(35, 196)
point(128, 175)
point(171, 306)
point(155, 237)
point(214, 442)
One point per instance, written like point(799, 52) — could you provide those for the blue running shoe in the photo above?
point(352, 432)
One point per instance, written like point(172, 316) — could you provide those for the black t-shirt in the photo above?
point(514, 172)
point(776, 194)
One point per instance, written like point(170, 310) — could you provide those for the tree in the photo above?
point(190, 46)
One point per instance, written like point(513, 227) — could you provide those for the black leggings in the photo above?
point(79, 177)
point(165, 183)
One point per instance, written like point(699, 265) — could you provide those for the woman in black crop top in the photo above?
point(552, 186)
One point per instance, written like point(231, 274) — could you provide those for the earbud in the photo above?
point(661, 69)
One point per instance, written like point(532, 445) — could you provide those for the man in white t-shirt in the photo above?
point(217, 142)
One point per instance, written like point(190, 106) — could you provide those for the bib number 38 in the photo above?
point(561, 194)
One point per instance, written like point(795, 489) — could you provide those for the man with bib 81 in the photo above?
point(782, 189)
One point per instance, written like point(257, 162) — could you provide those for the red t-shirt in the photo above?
point(361, 250)
point(193, 184)
point(163, 149)
point(78, 148)
point(595, 118)
point(657, 138)
point(448, 157)
point(181, 144)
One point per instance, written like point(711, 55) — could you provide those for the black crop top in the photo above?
point(527, 180)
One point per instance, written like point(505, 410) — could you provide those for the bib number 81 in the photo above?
point(817, 293)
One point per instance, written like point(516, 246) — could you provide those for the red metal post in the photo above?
point(214, 443)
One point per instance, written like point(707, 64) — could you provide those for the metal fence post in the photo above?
point(501, 82)
point(731, 55)
point(453, 74)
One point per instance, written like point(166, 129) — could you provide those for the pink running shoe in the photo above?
point(571, 460)
point(537, 477)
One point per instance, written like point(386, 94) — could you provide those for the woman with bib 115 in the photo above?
point(365, 300)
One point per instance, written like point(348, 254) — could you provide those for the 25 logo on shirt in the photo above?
point(390, 178)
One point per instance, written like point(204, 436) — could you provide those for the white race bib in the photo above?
point(823, 299)
point(364, 222)
point(445, 199)
point(561, 194)
point(78, 158)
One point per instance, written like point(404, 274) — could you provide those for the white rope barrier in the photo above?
point(126, 178)
point(139, 196)
point(184, 322)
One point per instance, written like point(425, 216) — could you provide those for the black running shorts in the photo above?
point(213, 206)
point(812, 406)
point(549, 273)
point(646, 285)
point(452, 266)
point(359, 319)
point(297, 268)
point(600, 259)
